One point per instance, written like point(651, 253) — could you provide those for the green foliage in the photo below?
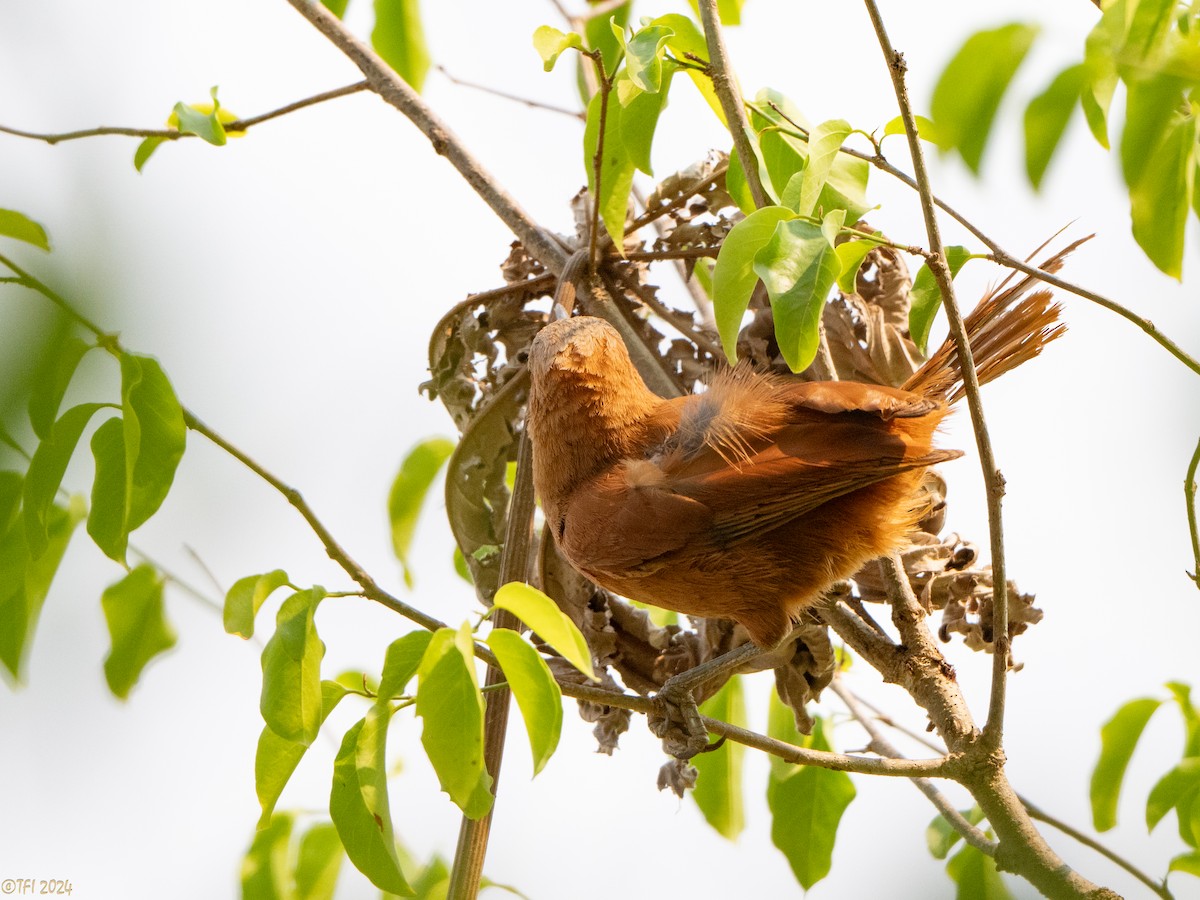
point(734, 276)
point(318, 862)
point(941, 837)
point(537, 693)
point(799, 268)
point(806, 802)
point(403, 658)
point(399, 38)
point(337, 7)
point(975, 876)
point(969, 91)
point(1118, 738)
point(276, 758)
point(358, 803)
point(291, 664)
point(549, 622)
point(246, 597)
point(926, 296)
point(205, 120)
point(408, 493)
point(137, 625)
point(450, 705)
point(54, 374)
point(719, 787)
point(550, 43)
point(17, 225)
point(264, 868)
point(24, 579)
point(1153, 48)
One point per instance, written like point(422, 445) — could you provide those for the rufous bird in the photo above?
point(749, 500)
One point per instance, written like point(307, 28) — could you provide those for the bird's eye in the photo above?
point(522, 356)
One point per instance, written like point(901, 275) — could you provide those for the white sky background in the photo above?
point(288, 283)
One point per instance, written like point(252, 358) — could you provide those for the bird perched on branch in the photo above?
point(751, 499)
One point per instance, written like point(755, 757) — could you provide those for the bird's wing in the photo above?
point(626, 522)
point(803, 467)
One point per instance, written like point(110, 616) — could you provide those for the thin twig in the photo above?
point(1189, 495)
point(881, 745)
point(605, 88)
point(993, 730)
point(473, 834)
point(236, 126)
point(487, 89)
point(678, 320)
point(1002, 257)
point(721, 73)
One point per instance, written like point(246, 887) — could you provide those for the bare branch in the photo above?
point(235, 126)
point(881, 745)
point(526, 101)
point(993, 730)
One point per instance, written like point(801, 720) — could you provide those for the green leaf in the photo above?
point(1173, 787)
point(850, 256)
point(975, 876)
point(106, 518)
point(644, 56)
point(734, 276)
point(155, 436)
point(550, 43)
point(1118, 737)
point(358, 803)
point(1182, 694)
point(408, 493)
point(10, 499)
point(737, 186)
point(687, 41)
point(729, 12)
point(291, 664)
point(245, 599)
point(549, 622)
point(798, 266)
point(616, 169)
point(1187, 811)
point(46, 469)
point(926, 297)
point(718, 790)
point(639, 121)
point(276, 758)
point(401, 662)
point(51, 381)
point(941, 836)
point(970, 88)
point(1159, 202)
point(25, 582)
point(927, 130)
point(598, 32)
point(824, 142)
point(18, 225)
point(137, 624)
point(785, 157)
point(337, 7)
point(451, 707)
point(537, 693)
point(264, 867)
point(145, 150)
point(400, 39)
point(806, 809)
point(198, 119)
point(1151, 105)
point(318, 863)
point(1095, 98)
point(1046, 120)
point(1186, 862)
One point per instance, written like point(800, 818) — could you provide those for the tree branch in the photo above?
point(235, 126)
point(881, 745)
point(720, 72)
point(993, 730)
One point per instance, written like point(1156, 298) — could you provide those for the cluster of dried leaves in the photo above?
point(477, 356)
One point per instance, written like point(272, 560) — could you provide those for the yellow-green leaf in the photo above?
point(549, 622)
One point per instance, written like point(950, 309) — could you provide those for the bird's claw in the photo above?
point(679, 723)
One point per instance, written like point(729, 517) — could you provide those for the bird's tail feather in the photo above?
point(1006, 329)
